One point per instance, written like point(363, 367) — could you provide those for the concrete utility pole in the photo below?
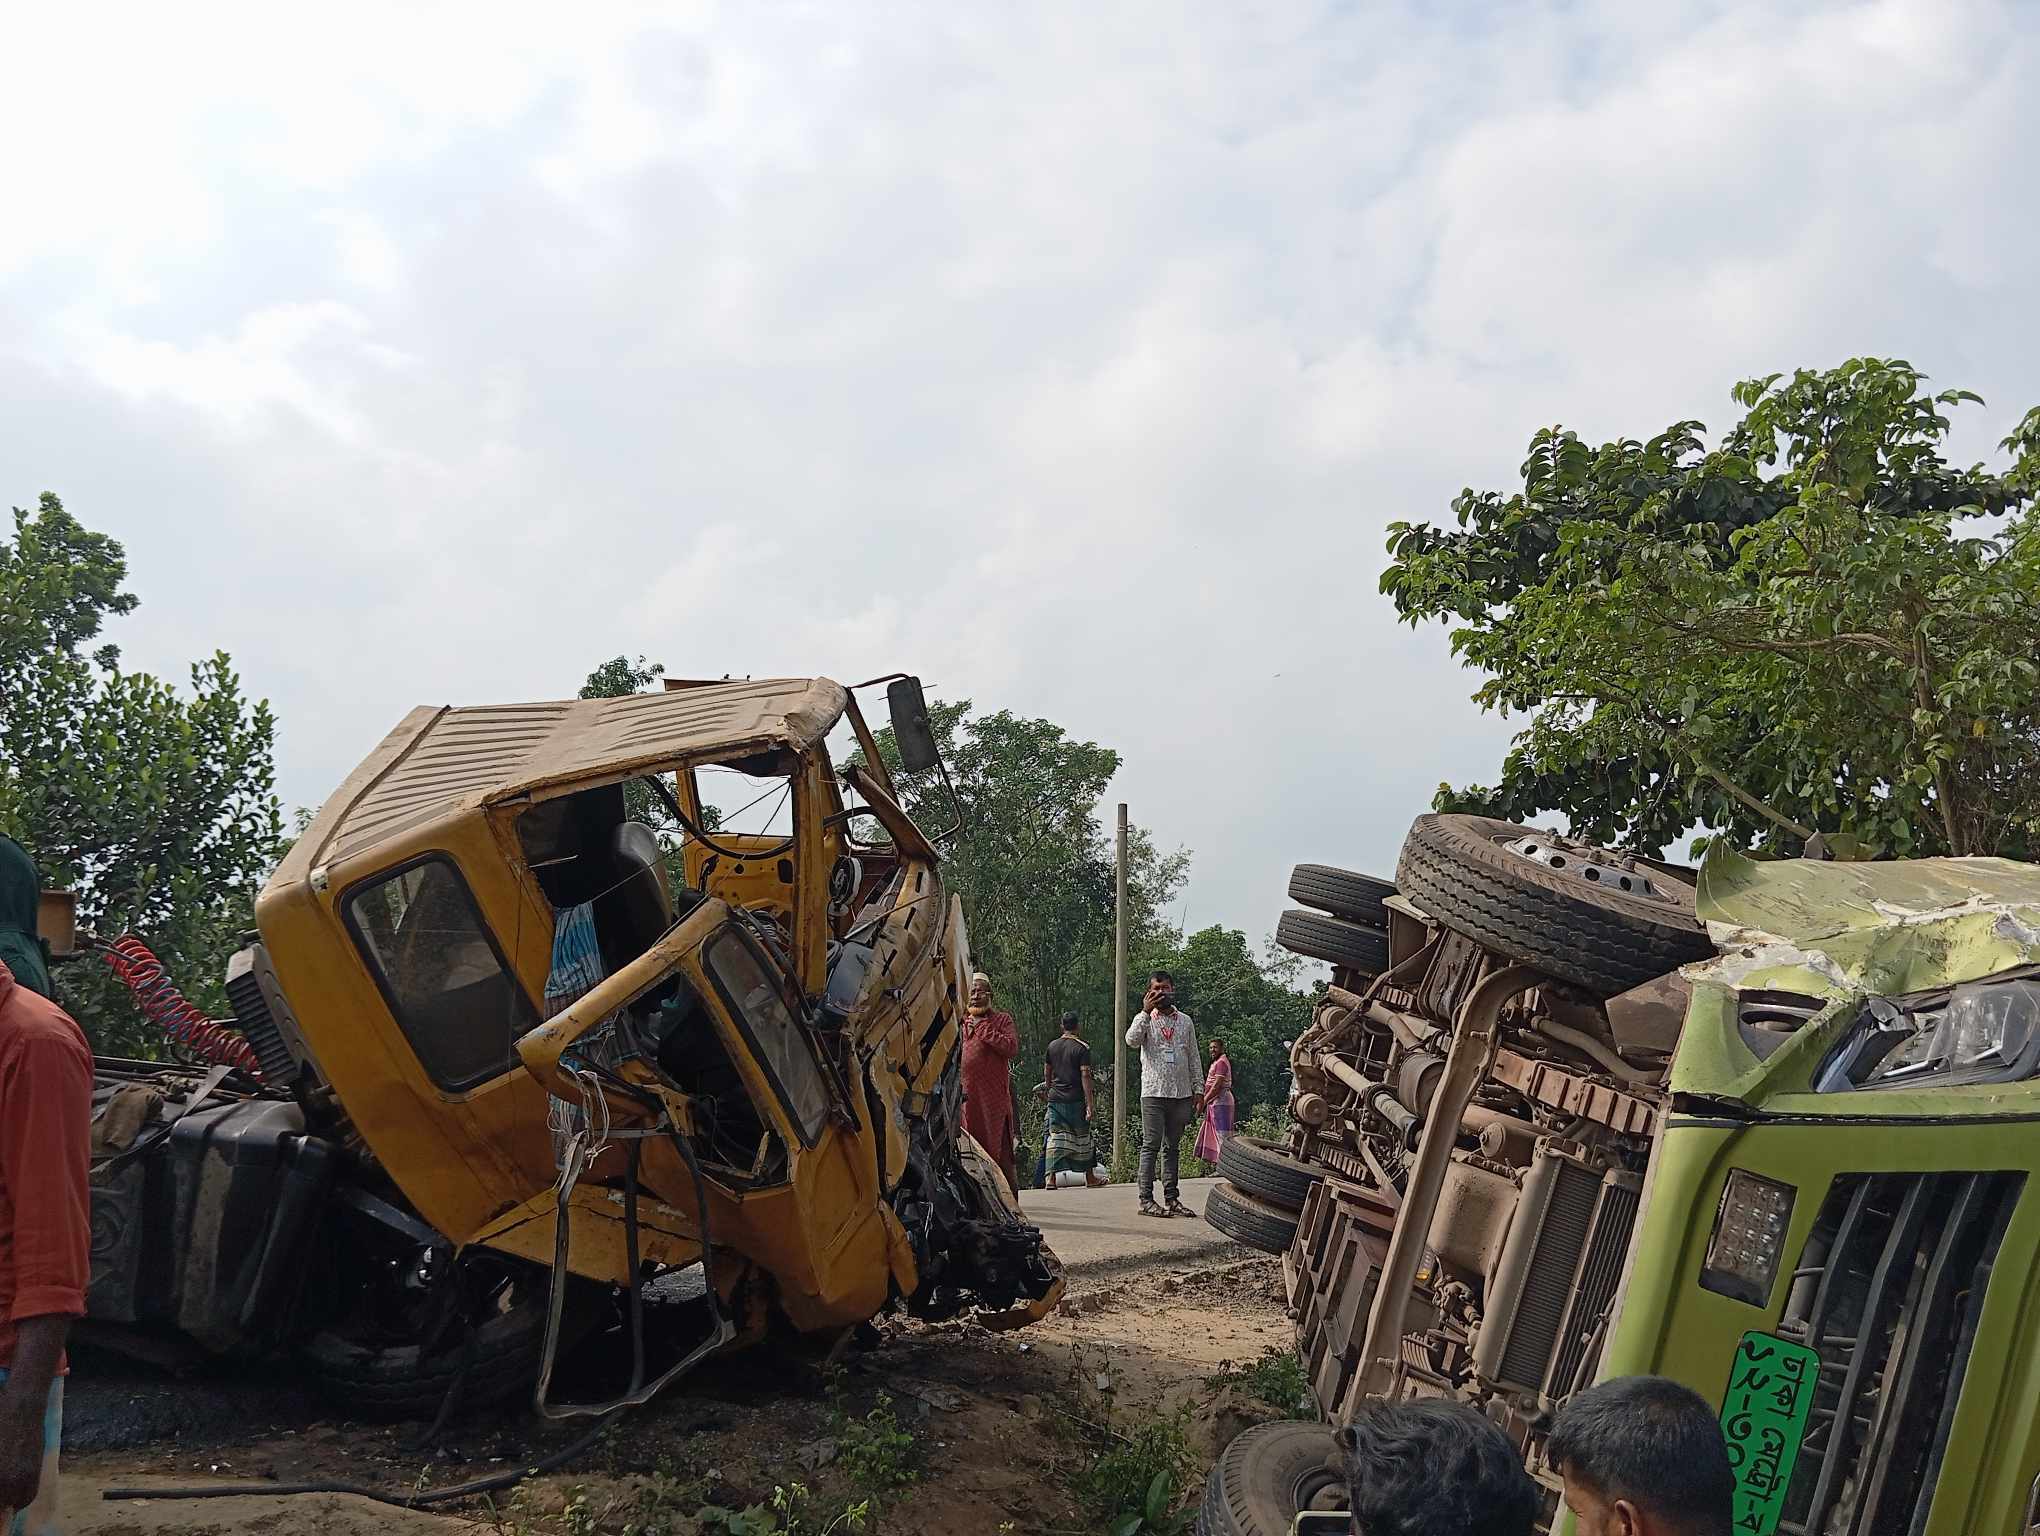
point(1119, 1003)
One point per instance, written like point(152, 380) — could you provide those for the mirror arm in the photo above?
point(955, 804)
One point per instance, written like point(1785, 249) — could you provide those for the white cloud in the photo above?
point(1073, 356)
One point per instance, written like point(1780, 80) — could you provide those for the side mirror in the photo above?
point(912, 728)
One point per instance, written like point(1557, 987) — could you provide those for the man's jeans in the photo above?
point(1162, 1124)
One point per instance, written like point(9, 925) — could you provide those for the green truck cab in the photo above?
point(1837, 1242)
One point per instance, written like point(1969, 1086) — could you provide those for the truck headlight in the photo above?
point(1748, 1238)
point(1978, 1032)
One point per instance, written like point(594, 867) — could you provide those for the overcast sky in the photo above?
point(1072, 356)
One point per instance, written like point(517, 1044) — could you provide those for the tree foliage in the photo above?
point(155, 808)
point(1818, 624)
point(1253, 1002)
point(617, 678)
point(1035, 866)
point(1033, 862)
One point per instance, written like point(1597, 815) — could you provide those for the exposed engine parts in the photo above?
point(1523, 1203)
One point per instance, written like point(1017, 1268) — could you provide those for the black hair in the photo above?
point(1428, 1467)
point(1161, 976)
point(1653, 1442)
point(1069, 1023)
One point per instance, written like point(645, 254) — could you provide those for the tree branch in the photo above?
point(1944, 797)
point(1769, 813)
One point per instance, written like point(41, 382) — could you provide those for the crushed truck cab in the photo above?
point(552, 1056)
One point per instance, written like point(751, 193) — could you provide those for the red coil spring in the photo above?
point(170, 1011)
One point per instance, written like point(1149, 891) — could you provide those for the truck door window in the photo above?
point(755, 993)
point(440, 972)
point(729, 1133)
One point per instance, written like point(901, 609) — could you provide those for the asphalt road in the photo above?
point(1097, 1230)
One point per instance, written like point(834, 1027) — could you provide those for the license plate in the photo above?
point(1763, 1417)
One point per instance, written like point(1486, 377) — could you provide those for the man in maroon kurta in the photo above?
point(45, 1239)
point(989, 1045)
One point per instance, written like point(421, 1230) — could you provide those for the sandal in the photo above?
point(1178, 1208)
point(1149, 1208)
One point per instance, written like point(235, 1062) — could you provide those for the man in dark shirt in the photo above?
point(1067, 1133)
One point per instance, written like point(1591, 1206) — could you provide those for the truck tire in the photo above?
point(1246, 1219)
point(401, 1381)
point(1270, 1474)
point(1335, 940)
point(1267, 1171)
point(1550, 906)
point(1357, 898)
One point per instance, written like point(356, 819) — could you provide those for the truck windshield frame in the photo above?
point(458, 1047)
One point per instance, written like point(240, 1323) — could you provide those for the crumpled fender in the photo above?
point(978, 1164)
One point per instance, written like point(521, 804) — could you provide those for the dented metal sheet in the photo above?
point(1840, 932)
point(1810, 898)
point(443, 760)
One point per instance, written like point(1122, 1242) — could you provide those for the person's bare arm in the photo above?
point(45, 1135)
point(24, 1400)
point(1089, 1098)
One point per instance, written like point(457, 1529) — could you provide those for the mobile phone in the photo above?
point(1322, 1522)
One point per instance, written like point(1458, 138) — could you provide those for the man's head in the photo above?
point(1217, 1048)
point(1433, 1468)
point(1643, 1456)
point(1162, 992)
point(981, 990)
point(1069, 1024)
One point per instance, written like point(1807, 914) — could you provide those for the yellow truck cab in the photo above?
point(552, 1055)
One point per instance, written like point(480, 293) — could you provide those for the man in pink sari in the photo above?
point(1216, 1103)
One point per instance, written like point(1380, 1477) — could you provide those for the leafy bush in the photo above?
point(879, 1456)
point(1134, 1487)
point(1277, 1379)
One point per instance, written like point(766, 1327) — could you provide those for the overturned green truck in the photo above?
point(1563, 1115)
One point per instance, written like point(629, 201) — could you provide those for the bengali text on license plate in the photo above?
point(1763, 1416)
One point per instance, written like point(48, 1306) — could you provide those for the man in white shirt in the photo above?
point(1170, 1076)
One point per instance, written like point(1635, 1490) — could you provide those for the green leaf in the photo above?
point(1158, 1495)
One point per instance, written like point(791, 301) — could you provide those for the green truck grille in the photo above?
point(1888, 1291)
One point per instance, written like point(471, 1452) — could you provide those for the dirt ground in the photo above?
point(948, 1429)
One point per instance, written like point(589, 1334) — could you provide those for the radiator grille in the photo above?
point(1889, 1291)
point(251, 1012)
point(1593, 1289)
point(1560, 1243)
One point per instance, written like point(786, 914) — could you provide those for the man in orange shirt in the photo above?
point(45, 1241)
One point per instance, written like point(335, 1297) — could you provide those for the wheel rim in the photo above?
point(1319, 1488)
point(1590, 867)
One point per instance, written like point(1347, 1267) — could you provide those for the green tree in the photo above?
point(1818, 624)
point(1250, 1001)
point(620, 676)
point(1033, 862)
point(155, 808)
point(1034, 866)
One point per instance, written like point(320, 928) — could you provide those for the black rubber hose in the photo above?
point(480, 1485)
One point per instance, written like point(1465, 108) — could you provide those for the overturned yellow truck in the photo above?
point(519, 1058)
